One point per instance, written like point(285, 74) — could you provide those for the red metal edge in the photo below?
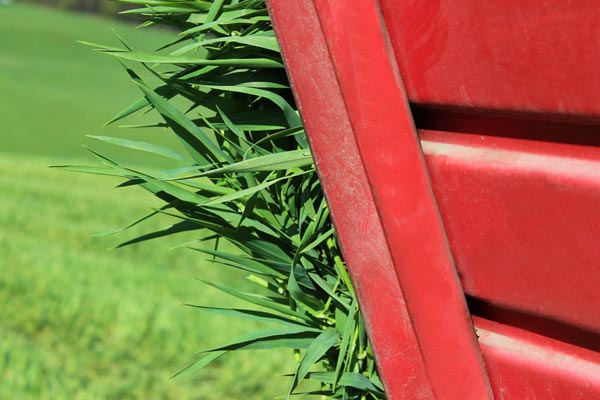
point(524, 365)
point(365, 102)
point(346, 187)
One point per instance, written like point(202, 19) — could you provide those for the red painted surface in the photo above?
point(526, 366)
point(333, 103)
point(521, 55)
point(382, 126)
point(506, 94)
point(348, 193)
point(523, 220)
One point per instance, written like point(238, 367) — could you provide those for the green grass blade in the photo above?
point(132, 224)
point(250, 191)
point(249, 264)
point(219, 24)
point(268, 120)
point(349, 379)
point(90, 170)
point(200, 363)
point(346, 339)
point(197, 141)
point(290, 337)
point(262, 301)
point(317, 349)
point(264, 42)
point(330, 291)
point(143, 146)
point(254, 315)
point(291, 115)
point(161, 59)
point(271, 162)
point(304, 299)
point(170, 230)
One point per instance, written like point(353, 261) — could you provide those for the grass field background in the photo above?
point(78, 321)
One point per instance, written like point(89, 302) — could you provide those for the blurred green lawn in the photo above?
point(78, 321)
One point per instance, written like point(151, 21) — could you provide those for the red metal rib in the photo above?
point(346, 187)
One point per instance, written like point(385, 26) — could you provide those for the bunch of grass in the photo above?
point(248, 179)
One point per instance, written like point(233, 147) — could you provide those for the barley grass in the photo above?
point(248, 181)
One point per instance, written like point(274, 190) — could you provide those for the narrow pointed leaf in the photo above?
point(143, 146)
point(303, 298)
point(90, 170)
point(200, 363)
point(290, 114)
point(162, 59)
point(290, 337)
point(350, 379)
point(346, 338)
point(197, 141)
point(175, 228)
point(317, 349)
point(262, 301)
point(250, 264)
point(255, 315)
point(271, 162)
point(268, 43)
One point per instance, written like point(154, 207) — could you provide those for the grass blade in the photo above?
point(317, 349)
point(143, 146)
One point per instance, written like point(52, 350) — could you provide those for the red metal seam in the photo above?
point(382, 125)
point(353, 210)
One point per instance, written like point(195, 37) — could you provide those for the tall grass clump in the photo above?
point(244, 180)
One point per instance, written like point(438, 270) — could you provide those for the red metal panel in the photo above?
point(520, 55)
point(521, 215)
point(350, 199)
point(523, 219)
point(526, 366)
point(375, 113)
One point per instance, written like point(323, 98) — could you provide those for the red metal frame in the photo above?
point(522, 215)
point(397, 350)
point(344, 179)
point(350, 105)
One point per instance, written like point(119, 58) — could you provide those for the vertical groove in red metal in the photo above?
point(348, 194)
point(381, 122)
